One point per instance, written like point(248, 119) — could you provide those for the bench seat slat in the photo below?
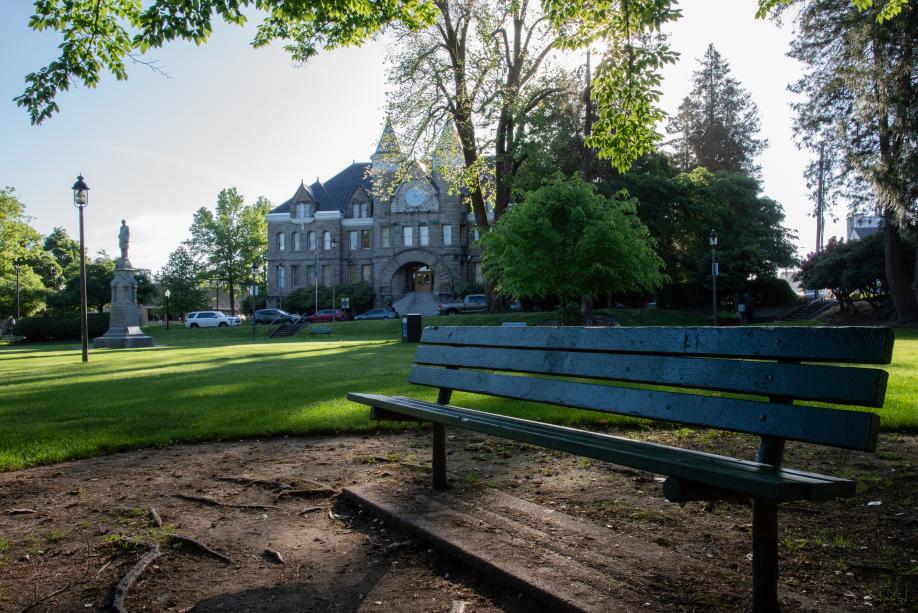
point(844, 385)
point(853, 345)
point(741, 476)
point(849, 429)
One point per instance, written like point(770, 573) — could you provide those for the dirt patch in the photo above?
point(91, 524)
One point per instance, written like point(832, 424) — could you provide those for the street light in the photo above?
point(167, 293)
point(253, 295)
point(714, 271)
point(80, 201)
point(334, 245)
point(17, 263)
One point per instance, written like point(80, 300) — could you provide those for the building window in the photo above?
point(477, 235)
point(281, 277)
point(423, 236)
point(360, 210)
point(280, 241)
point(407, 236)
point(384, 237)
point(310, 275)
point(366, 239)
point(296, 241)
point(352, 273)
point(326, 274)
point(479, 278)
point(301, 210)
point(366, 273)
point(326, 241)
point(447, 235)
point(295, 276)
point(354, 239)
point(311, 241)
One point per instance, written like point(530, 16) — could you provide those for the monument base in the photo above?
point(122, 342)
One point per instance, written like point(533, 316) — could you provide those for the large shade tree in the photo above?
point(181, 277)
point(227, 241)
point(20, 247)
point(566, 240)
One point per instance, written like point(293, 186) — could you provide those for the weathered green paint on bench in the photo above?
point(837, 384)
point(839, 428)
point(852, 345)
point(745, 477)
point(549, 365)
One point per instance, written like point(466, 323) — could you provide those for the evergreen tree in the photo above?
point(717, 123)
point(860, 104)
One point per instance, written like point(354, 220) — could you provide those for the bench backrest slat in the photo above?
point(838, 428)
point(691, 363)
point(851, 345)
point(849, 385)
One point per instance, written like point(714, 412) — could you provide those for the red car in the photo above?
point(327, 315)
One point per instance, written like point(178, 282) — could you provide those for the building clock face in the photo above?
point(415, 196)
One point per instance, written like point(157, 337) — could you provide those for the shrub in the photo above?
point(683, 295)
point(772, 292)
point(60, 328)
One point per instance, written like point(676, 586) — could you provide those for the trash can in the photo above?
point(411, 328)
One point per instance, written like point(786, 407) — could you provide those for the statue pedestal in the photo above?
point(124, 318)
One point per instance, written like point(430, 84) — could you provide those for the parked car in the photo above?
point(473, 303)
point(377, 314)
point(327, 315)
point(274, 316)
point(210, 319)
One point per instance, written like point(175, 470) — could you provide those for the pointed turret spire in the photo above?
point(388, 153)
point(447, 154)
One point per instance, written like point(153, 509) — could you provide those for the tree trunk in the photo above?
point(903, 296)
point(586, 307)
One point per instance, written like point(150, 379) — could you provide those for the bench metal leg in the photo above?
point(764, 555)
point(439, 457)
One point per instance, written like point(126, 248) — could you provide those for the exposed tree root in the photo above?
point(216, 503)
point(183, 540)
point(40, 600)
point(275, 485)
point(320, 492)
point(156, 518)
point(121, 590)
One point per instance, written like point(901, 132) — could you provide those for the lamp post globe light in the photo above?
point(167, 293)
point(713, 240)
point(80, 201)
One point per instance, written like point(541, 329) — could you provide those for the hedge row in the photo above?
point(59, 328)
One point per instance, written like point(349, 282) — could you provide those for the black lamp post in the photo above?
point(167, 293)
point(253, 294)
point(714, 271)
point(80, 201)
point(18, 264)
point(334, 266)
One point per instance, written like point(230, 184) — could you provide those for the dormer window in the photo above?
point(301, 210)
point(360, 210)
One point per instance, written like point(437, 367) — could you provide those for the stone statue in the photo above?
point(124, 315)
point(124, 237)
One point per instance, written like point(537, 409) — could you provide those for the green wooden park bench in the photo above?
point(771, 367)
point(313, 330)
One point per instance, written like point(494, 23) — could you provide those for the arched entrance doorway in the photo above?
point(418, 278)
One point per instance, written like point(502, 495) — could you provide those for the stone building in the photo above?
point(389, 223)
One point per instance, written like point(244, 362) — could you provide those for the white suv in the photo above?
point(210, 319)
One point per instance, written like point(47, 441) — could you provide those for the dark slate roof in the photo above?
point(865, 231)
point(334, 194)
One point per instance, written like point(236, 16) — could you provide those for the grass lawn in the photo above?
point(219, 383)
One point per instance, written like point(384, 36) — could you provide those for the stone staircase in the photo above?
point(811, 310)
point(288, 329)
point(413, 302)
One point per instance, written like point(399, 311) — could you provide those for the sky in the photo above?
point(154, 149)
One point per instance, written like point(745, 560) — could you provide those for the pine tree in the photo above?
point(718, 123)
